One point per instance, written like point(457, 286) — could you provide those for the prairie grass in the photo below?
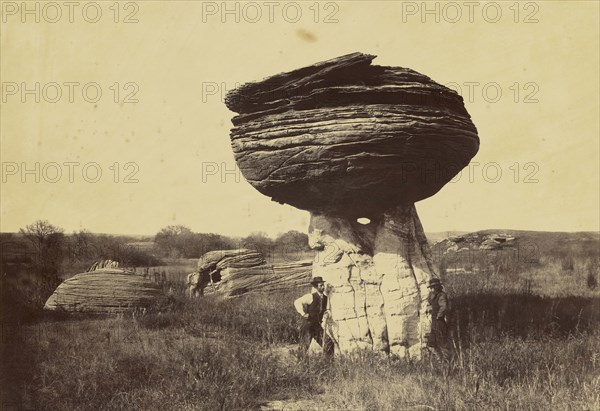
point(117, 364)
point(527, 339)
point(546, 278)
point(506, 374)
point(510, 352)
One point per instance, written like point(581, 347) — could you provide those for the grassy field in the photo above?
point(523, 338)
point(511, 351)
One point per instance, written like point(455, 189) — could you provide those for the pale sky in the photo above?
point(533, 69)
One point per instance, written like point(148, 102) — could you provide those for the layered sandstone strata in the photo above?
point(344, 137)
point(346, 140)
point(106, 290)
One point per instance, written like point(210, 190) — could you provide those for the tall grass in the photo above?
point(508, 373)
point(117, 364)
point(524, 339)
point(509, 352)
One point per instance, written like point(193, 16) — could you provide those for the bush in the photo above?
point(567, 263)
point(592, 281)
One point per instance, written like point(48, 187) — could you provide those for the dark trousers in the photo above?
point(438, 339)
point(309, 331)
point(439, 333)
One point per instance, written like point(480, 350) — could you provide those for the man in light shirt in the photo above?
point(312, 307)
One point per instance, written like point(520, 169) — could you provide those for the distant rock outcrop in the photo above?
point(221, 259)
point(212, 263)
point(234, 272)
point(105, 290)
point(264, 278)
point(477, 241)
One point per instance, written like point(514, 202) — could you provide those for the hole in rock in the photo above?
point(363, 220)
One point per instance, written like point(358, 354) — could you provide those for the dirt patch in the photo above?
point(313, 404)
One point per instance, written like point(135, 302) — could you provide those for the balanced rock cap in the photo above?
point(344, 137)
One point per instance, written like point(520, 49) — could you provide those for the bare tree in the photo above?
point(47, 241)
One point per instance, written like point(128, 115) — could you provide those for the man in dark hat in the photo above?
point(438, 303)
point(312, 307)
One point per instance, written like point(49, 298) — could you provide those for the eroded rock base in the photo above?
point(377, 276)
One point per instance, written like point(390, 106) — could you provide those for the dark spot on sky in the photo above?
point(306, 35)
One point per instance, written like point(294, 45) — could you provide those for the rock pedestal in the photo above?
point(378, 276)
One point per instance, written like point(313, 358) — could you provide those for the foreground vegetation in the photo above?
point(525, 336)
point(510, 351)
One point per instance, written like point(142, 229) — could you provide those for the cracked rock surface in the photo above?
point(109, 290)
point(350, 141)
point(378, 277)
point(334, 137)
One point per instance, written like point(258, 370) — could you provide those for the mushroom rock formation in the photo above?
point(347, 140)
point(105, 290)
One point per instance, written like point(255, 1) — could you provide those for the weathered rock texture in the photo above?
point(263, 278)
point(478, 241)
point(235, 272)
point(344, 139)
point(212, 264)
point(220, 259)
point(378, 275)
point(105, 290)
point(103, 264)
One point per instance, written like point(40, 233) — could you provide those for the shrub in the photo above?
point(567, 263)
point(592, 281)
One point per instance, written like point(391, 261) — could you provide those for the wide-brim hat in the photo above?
point(317, 280)
point(433, 282)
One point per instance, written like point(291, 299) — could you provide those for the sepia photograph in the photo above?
point(301, 205)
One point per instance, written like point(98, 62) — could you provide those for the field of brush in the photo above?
point(525, 336)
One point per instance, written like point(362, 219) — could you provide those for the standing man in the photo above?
point(438, 303)
point(193, 283)
point(312, 307)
